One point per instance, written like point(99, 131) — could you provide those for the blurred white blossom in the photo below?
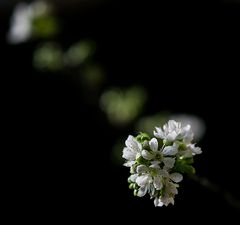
point(197, 124)
point(20, 29)
point(147, 123)
point(29, 19)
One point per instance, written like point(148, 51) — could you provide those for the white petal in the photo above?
point(151, 190)
point(195, 150)
point(176, 177)
point(172, 136)
point(173, 125)
point(171, 200)
point(169, 162)
point(142, 169)
point(142, 191)
point(163, 173)
point(147, 155)
point(133, 177)
point(157, 182)
point(143, 180)
point(167, 200)
point(155, 165)
point(159, 133)
point(171, 188)
point(158, 202)
point(129, 141)
point(187, 134)
point(165, 127)
point(128, 154)
point(170, 150)
point(129, 163)
point(133, 144)
point(153, 144)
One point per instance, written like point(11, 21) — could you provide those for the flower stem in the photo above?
point(226, 195)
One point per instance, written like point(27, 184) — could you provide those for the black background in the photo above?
point(185, 55)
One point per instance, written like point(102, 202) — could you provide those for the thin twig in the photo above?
point(206, 183)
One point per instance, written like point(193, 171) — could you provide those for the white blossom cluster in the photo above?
point(22, 19)
point(156, 164)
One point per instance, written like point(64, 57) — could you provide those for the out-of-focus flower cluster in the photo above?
point(32, 20)
point(157, 164)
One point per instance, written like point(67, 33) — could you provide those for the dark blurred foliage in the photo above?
point(185, 55)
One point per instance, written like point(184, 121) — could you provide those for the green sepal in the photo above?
point(143, 137)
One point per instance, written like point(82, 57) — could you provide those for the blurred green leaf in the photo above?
point(48, 57)
point(79, 52)
point(44, 26)
point(123, 106)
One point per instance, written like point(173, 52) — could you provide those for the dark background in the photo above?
point(184, 54)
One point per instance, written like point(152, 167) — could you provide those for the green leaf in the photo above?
point(182, 165)
point(184, 168)
point(188, 160)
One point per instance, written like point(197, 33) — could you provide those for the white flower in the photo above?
point(168, 163)
point(190, 151)
point(173, 131)
point(155, 169)
point(158, 202)
point(166, 200)
point(194, 150)
point(144, 181)
point(133, 178)
point(142, 169)
point(170, 150)
point(166, 151)
point(153, 144)
point(168, 197)
point(197, 124)
point(132, 151)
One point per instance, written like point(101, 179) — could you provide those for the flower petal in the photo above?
point(169, 162)
point(163, 173)
point(195, 150)
point(158, 202)
point(128, 154)
point(187, 134)
point(173, 125)
point(129, 163)
point(143, 180)
point(153, 144)
point(133, 177)
point(171, 188)
point(159, 133)
point(176, 177)
point(147, 155)
point(157, 182)
point(142, 169)
point(172, 136)
point(155, 165)
point(142, 191)
point(133, 144)
point(170, 150)
point(167, 200)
